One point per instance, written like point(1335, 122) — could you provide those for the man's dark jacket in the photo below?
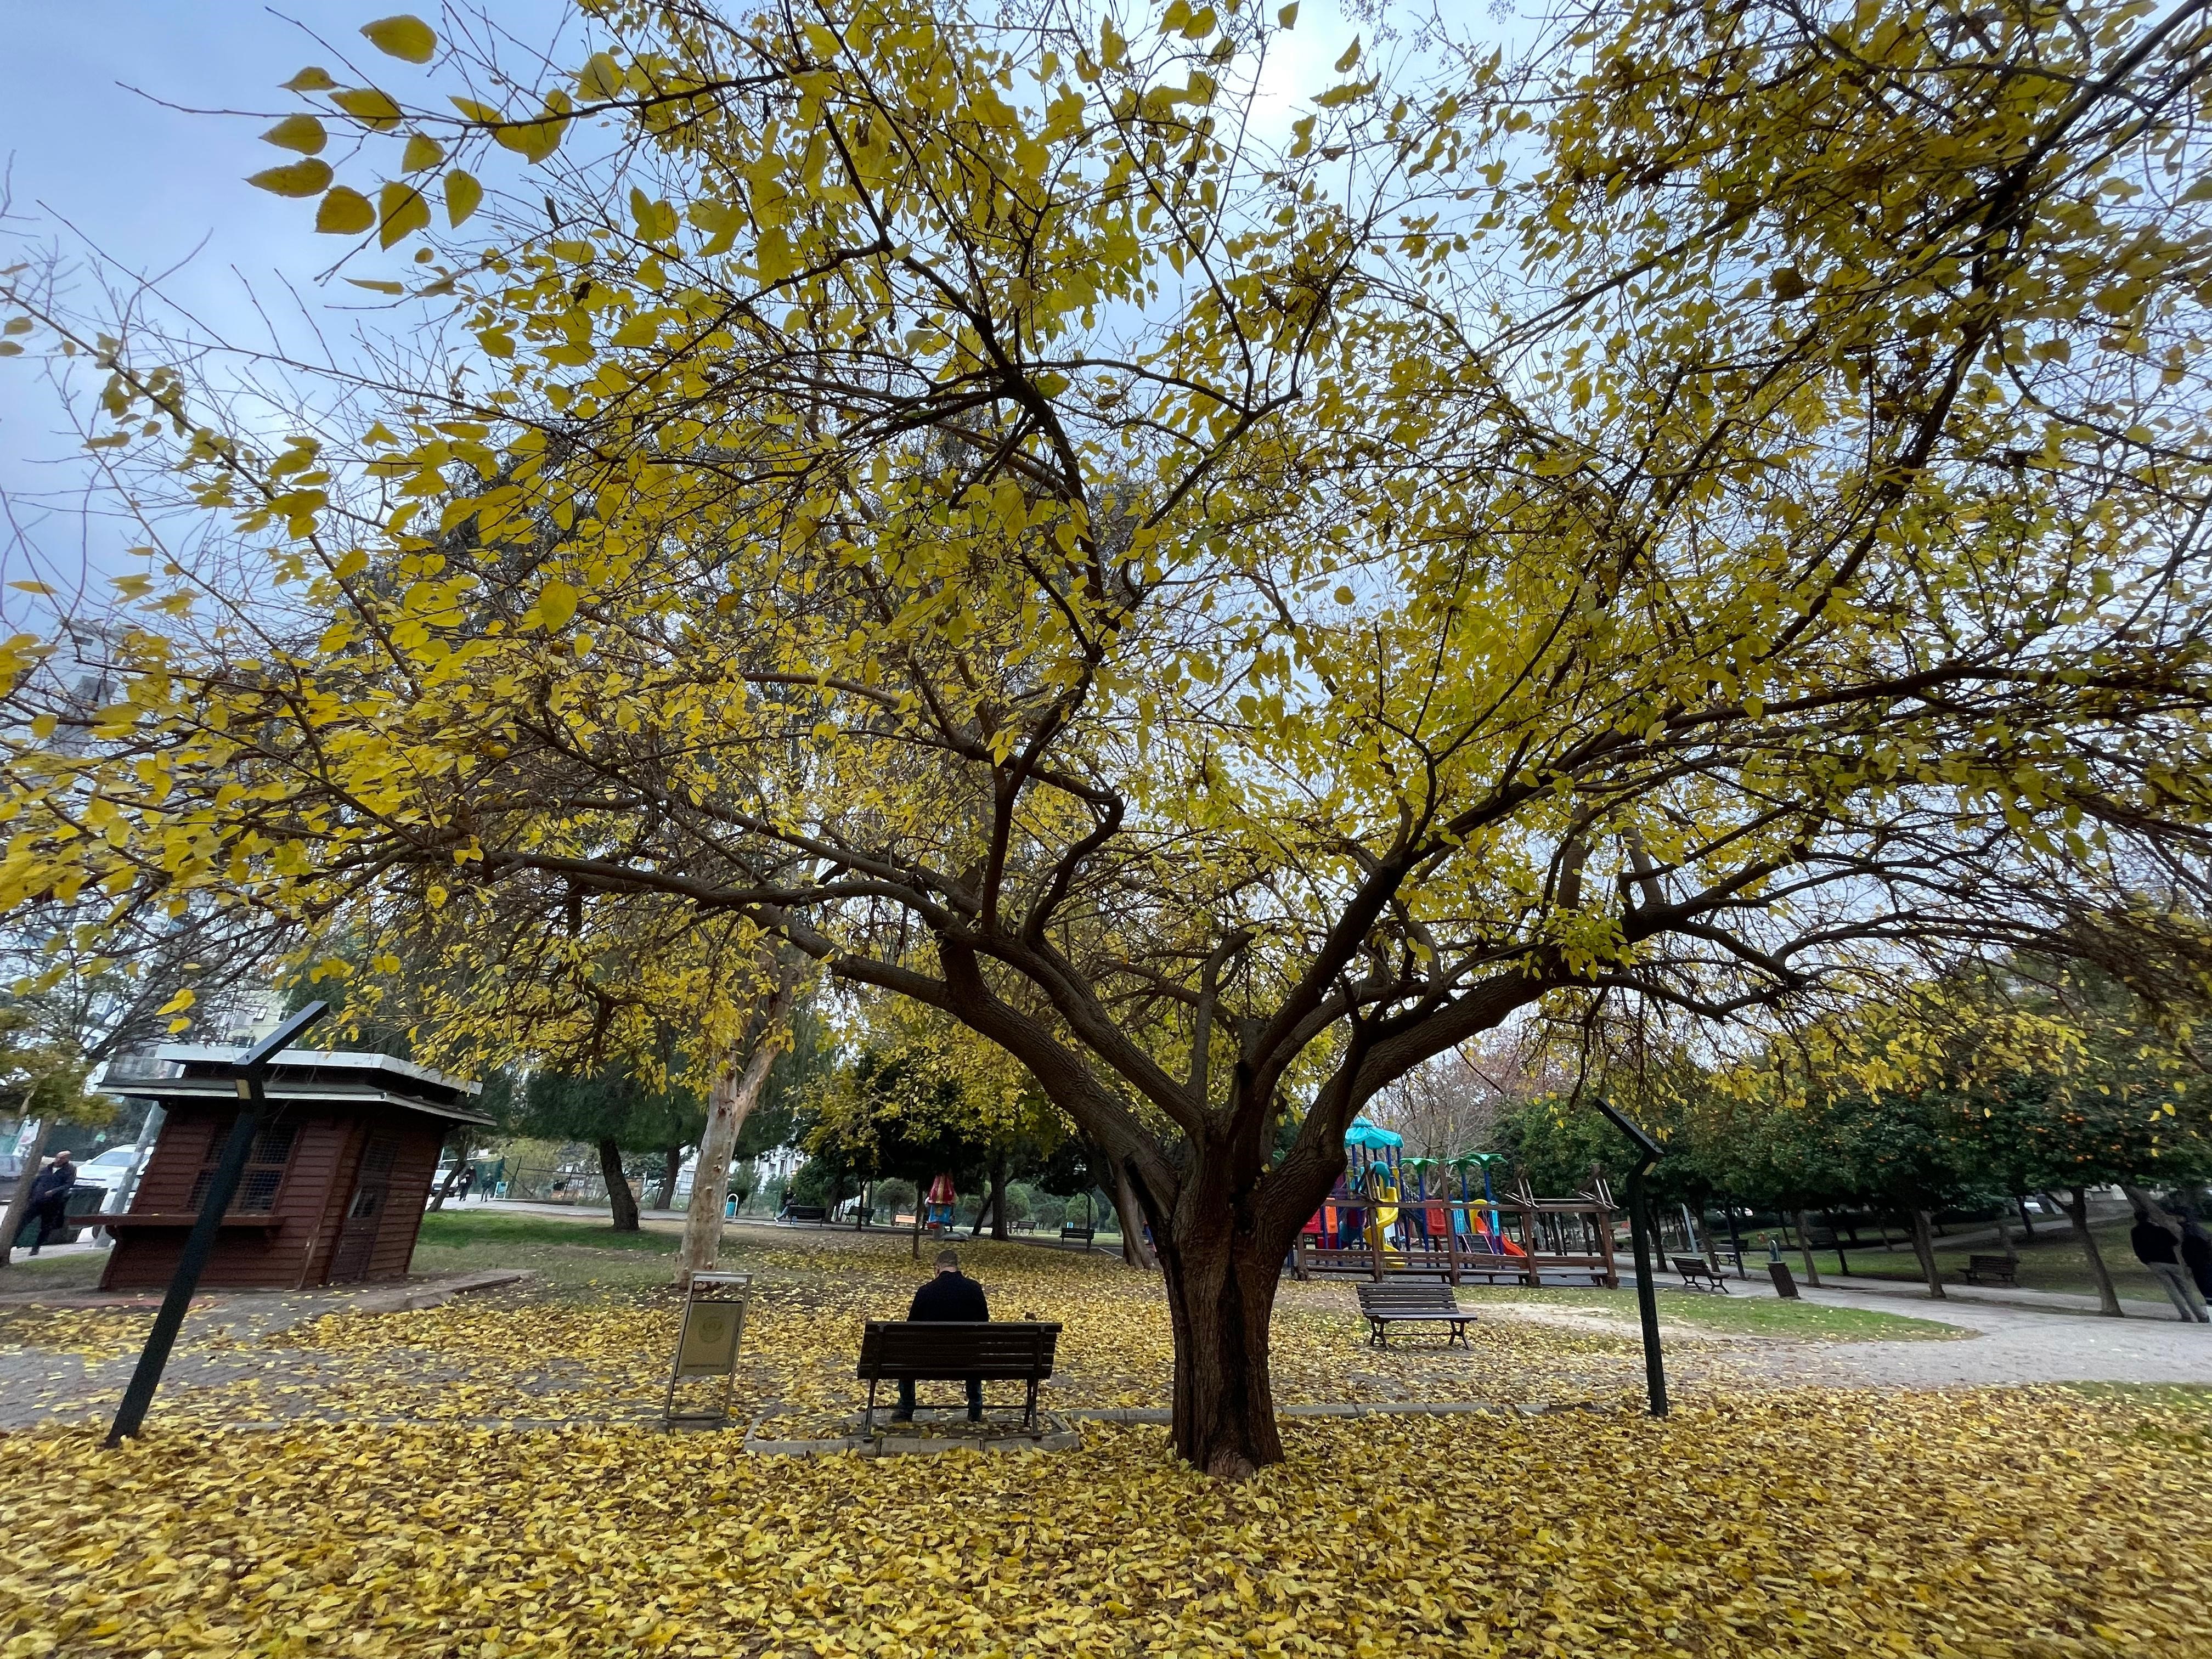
point(2197, 1254)
point(2154, 1244)
point(56, 1182)
point(950, 1297)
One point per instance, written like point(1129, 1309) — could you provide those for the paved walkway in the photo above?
point(225, 1327)
point(1887, 1296)
point(2013, 1344)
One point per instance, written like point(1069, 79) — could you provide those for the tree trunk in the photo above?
point(983, 1210)
point(19, 1203)
point(918, 1208)
point(619, 1196)
point(670, 1171)
point(729, 1101)
point(994, 1201)
point(1805, 1247)
point(2026, 1221)
point(1135, 1250)
point(2004, 1238)
point(1923, 1246)
point(2077, 1211)
point(461, 1149)
point(1221, 1289)
point(2144, 1204)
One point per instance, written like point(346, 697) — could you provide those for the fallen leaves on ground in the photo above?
point(601, 1352)
point(92, 1333)
point(2033, 1523)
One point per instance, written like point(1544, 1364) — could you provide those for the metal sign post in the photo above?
point(248, 1071)
point(1648, 1152)
point(707, 1344)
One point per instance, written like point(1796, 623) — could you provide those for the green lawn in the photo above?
point(569, 1255)
point(51, 1272)
point(1755, 1315)
point(2053, 1262)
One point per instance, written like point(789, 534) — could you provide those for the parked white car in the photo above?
point(111, 1170)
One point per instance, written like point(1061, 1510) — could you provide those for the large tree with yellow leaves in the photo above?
point(1710, 506)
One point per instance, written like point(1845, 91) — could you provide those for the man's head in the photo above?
point(62, 1156)
point(948, 1261)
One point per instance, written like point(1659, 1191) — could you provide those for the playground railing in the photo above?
point(1452, 1259)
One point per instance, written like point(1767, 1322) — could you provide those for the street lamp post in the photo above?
point(247, 1071)
point(1648, 1152)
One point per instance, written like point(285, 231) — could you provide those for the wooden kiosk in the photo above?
point(333, 1190)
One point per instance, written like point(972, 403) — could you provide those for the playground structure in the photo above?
point(938, 1205)
point(1394, 1216)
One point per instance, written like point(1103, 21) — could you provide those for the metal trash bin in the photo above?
point(1784, 1285)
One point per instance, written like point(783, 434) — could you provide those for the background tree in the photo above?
point(1706, 511)
point(612, 1110)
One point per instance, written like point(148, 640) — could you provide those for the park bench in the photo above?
point(1993, 1270)
point(1697, 1275)
point(1386, 1305)
point(805, 1213)
point(1069, 1233)
point(1000, 1350)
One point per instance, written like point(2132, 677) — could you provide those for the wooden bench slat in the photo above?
point(1997, 1269)
point(1696, 1271)
point(939, 1352)
point(994, 1350)
point(1386, 1303)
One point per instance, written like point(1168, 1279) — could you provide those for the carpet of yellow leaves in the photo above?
point(535, 1357)
point(598, 1352)
point(2022, 1523)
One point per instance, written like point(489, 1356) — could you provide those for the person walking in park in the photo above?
point(950, 1297)
point(2158, 1249)
point(50, 1195)
point(2196, 1251)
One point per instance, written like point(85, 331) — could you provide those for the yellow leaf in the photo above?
point(656, 221)
point(372, 108)
point(310, 80)
point(302, 132)
point(533, 140)
point(463, 192)
point(1351, 56)
point(345, 212)
point(403, 36)
point(308, 177)
point(1346, 93)
point(556, 603)
point(423, 152)
point(401, 209)
point(602, 77)
point(179, 1003)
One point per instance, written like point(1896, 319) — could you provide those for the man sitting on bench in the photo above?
point(950, 1298)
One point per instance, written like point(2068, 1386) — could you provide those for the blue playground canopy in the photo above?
point(1372, 1136)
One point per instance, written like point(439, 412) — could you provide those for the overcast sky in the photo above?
point(93, 159)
